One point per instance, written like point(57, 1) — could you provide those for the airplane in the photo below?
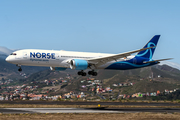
point(62, 60)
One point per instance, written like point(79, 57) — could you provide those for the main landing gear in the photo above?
point(82, 73)
point(90, 73)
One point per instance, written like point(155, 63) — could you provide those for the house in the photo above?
point(158, 92)
point(115, 85)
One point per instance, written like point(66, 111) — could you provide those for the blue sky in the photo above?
point(91, 25)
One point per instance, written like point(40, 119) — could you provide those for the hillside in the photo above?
point(149, 79)
point(10, 71)
point(164, 77)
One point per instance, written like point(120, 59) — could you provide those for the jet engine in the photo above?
point(78, 64)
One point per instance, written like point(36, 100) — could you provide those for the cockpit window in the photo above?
point(13, 54)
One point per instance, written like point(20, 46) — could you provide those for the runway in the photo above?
point(87, 110)
point(158, 109)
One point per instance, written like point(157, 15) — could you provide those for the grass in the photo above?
point(92, 116)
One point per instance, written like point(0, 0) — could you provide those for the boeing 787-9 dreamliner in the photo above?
point(62, 60)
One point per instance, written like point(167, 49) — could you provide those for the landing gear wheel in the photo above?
point(94, 74)
point(79, 73)
point(83, 74)
point(90, 72)
point(20, 69)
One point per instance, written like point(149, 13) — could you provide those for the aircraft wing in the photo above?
point(102, 60)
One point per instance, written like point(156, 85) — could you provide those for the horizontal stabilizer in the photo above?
point(157, 60)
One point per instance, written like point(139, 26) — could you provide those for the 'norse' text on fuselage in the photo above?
point(42, 55)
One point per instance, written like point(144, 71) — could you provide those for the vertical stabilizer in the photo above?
point(149, 52)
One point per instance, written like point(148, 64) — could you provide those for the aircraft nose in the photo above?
point(8, 59)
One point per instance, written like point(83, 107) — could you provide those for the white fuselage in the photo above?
point(54, 58)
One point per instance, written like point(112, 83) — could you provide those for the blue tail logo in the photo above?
point(149, 52)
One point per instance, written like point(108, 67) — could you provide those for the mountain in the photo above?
point(148, 79)
point(172, 64)
point(168, 68)
point(4, 52)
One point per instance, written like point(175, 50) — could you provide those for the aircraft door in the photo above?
point(25, 55)
point(57, 56)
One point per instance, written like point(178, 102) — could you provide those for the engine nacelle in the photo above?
point(78, 64)
point(57, 68)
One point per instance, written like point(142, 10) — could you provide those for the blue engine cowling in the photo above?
point(78, 64)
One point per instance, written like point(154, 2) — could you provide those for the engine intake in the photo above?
point(78, 64)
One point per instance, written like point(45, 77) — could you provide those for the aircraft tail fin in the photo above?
point(149, 52)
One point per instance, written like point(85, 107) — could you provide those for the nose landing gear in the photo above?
point(20, 69)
